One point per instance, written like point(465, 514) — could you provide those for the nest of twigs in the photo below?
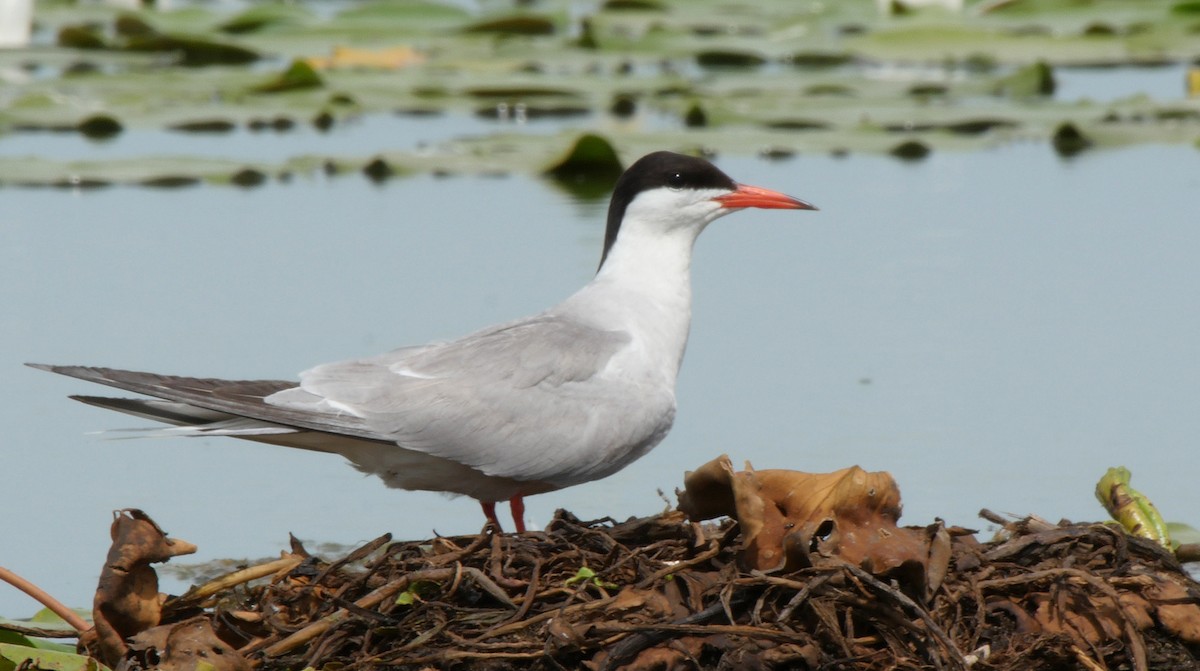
point(665, 593)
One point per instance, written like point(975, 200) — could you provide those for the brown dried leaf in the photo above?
point(127, 599)
point(790, 519)
point(1089, 621)
point(791, 656)
point(389, 58)
point(183, 646)
point(707, 491)
point(1176, 610)
point(627, 599)
point(659, 658)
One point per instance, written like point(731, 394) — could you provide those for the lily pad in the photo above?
point(695, 117)
point(194, 51)
point(978, 126)
point(717, 58)
point(130, 25)
point(653, 78)
point(797, 124)
point(589, 169)
point(100, 126)
point(299, 75)
point(204, 126)
point(1068, 140)
point(19, 656)
point(818, 59)
point(264, 16)
point(1033, 80)
point(81, 37)
point(911, 150)
point(632, 6)
point(513, 25)
point(378, 170)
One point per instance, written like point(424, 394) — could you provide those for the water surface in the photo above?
point(995, 328)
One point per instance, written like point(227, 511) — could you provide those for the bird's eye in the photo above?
point(675, 180)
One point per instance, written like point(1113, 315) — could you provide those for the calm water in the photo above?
point(994, 328)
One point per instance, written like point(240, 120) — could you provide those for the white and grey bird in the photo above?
point(569, 395)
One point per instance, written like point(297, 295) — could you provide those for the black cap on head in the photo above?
point(652, 171)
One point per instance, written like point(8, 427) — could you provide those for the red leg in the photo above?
point(517, 505)
point(489, 509)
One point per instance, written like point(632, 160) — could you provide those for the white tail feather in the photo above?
point(237, 427)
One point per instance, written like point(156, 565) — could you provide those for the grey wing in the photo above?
point(242, 398)
point(526, 400)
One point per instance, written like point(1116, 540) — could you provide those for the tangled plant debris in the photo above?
point(666, 593)
point(808, 571)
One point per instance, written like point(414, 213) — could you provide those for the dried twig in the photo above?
point(239, 577)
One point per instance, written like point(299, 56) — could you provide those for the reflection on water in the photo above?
point(994, 328)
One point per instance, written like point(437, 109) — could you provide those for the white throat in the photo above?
point(644, 285)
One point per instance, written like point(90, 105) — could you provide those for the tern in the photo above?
point(567, 396)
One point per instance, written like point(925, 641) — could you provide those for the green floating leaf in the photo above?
point(910, 150)
point(838, 90)
point(248, 178)
point(13, 638)
point(19, 656)
point(928, 90)
point(194, 51)
point(280, 124)
point(1130, 507)
point(406, 12)
point(515, 92)
point(978, 63)
point(131, 25)
point(624, 105)
point(796, 124)
point(204, 126)
point(587, 35)
point(323, 121)
point(46, 617)
point(590, 168)
point(378, 170)
point(978, 126)
point(1099, 29)
point(1028, 82)
point(632, 6)
point(717, 58)
point(1177, 114)
point(514, 25)
point(1183, 533)
point(170, 181)
point(299, 75)
point(818, 59)
point(1068, 140)
point(100, 126)
point(81, 37)
point(263, 16)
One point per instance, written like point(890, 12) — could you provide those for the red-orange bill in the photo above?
point(754, 196)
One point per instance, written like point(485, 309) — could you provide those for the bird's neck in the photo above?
point(644, 288)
